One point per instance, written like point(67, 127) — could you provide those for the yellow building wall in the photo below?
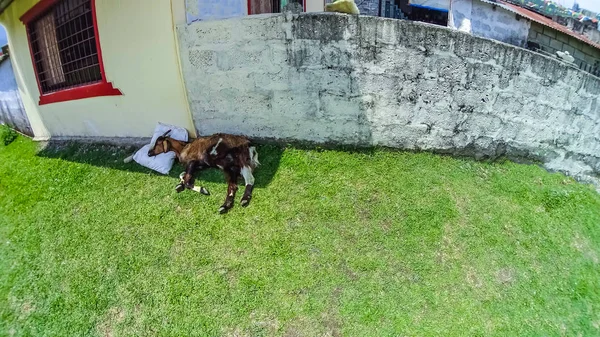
point(141, 59)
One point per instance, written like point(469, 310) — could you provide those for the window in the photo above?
point(63, 40)
point(274, 6)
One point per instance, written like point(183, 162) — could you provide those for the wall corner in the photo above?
point(178, 11)
point(179, 17)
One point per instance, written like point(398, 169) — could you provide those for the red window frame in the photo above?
point(102, 88)
point(249, 4)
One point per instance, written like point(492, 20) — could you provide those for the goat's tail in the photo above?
point(253, 157)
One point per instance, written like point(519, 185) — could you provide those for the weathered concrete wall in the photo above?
point(372, 81)
point(492, 22)
point(551, 41)
point(592, 34)
point(499, 24)
point(460, 15)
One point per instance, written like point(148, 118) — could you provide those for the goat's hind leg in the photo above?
point(232, 176)
point(249, 180)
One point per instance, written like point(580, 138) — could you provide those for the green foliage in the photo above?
point(7, 135)
point(554, 199)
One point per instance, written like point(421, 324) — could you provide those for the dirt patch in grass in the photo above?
point(263, 325)
point(107, 327)
point(386, 225)
point(27, 308)
point(22, 308)
point(301, 327)
point(237, 332)
point(473, 279)
point(505, 276)
point(450, 250)
point(351, 274)
point(583, 246)
point(330, 318)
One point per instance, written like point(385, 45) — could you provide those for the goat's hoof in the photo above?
point(204, 191)
point(223, 210)
point(245, 202)
point(179, 188)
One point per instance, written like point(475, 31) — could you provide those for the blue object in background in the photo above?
point(3, 38)
point(216, 9)
point(12, 111)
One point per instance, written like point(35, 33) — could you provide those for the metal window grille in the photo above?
point(63, 43)
point(276, 6)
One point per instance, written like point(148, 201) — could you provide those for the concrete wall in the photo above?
point(499, 24)
point(140, 58)
point(492, 22)
point(459, 16)
point(373, 81)
point(592, 34)
point(551, 41)
point(12, 111)
point(315, 5)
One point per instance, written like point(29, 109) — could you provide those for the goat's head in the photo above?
point(161, 145)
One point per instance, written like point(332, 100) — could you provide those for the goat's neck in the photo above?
point(177, 146)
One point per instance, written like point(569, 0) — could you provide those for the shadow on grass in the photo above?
point(111, 156)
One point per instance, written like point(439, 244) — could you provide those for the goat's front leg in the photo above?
point(187, 179)
point(232, 176)
point(181, 186)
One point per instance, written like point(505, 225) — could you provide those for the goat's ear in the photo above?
point(166, 133)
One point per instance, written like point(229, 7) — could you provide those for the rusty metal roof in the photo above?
point(4, 5)
point(539, 18)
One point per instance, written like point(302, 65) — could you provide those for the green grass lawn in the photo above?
point(335, 243)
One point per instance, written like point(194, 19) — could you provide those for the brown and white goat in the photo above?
point(234, 155)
